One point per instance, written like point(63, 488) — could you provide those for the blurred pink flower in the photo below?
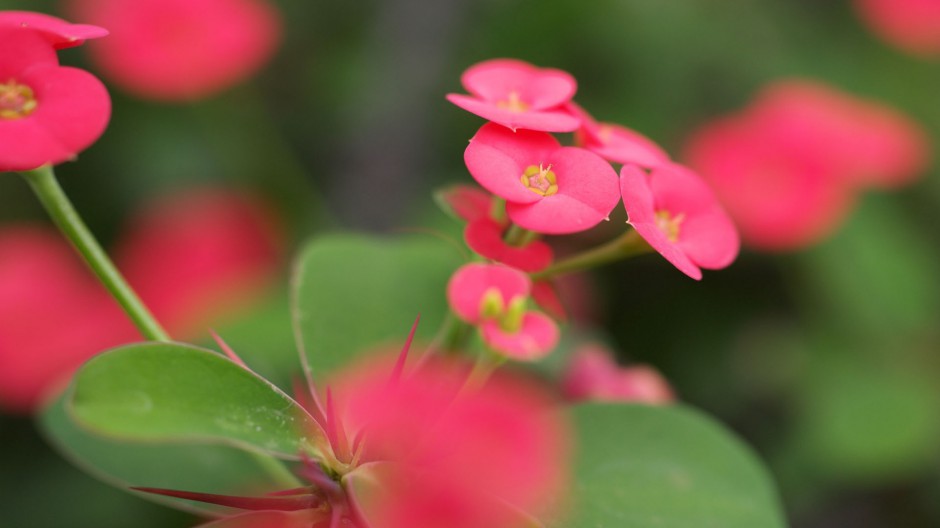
point(494, 298)
point(194, 258)
point(48, 113)
point(788, 167)
point(181, 50)
point(485, 236)
point(616, 143)
point(518, 95)
point(592, 374)
point(677, 214)
point(548, 188)
point(467, 202)
point(911, 25)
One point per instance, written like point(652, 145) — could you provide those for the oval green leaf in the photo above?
point(353, 293)
point(171, 392)
point(669, 467)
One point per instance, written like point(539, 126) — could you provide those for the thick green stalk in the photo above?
point(626, 245)
point(57, 204)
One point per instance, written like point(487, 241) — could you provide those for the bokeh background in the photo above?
point(826, 359)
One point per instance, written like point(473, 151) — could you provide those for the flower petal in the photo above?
point(497, 158)
point(471, 282)
point(537, 337)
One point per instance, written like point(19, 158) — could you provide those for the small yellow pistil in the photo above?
point(16, 100)
point(513, 103)
point(669, 224)
point(540, 180)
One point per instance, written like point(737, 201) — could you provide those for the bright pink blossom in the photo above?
point(494, 297)
point(48, 113)
point(211, 253)
point(789, 166)
point(58, 32)
point(677, 214)
point(548, 188)
point(593, 374)
point(911, 25)
point(518, 95)
point(180, 50)
point(616, 143)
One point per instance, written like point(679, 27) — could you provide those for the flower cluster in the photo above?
point(789, 166)
point(48, 113)
point(533, 185)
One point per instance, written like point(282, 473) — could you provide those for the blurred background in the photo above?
point(824, 357)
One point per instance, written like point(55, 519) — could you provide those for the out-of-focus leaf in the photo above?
point(669, 467)
point(354, 292)
point(208, 468)
point(173, 392)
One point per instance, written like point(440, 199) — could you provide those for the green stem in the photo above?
point(451, 336)
point(518, 236)
point(626, 245)
point(57, 204)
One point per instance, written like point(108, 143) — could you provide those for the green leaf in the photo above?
point(669, 467)
point(172, 392)
point(197, 467)
point(353, 293)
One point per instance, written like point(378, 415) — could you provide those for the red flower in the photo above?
point(592, 374)
point(677, 214)
point(912, 25)
point(616, 143)
point(48, 113)
point(178, 50)
point(516, 95)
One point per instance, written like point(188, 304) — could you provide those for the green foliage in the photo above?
point(173, 392)
point(670, 467)
point(354, 293)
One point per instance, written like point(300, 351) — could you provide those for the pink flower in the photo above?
point(517, 95)
point(911, 25)
point(48, 113)
point(677, 214)
point(466, 202)
point(485, 236)
point(616, 143)
point(592, 374)
point(548, 188)
point(215, 252)
point(494, 297)
point(181, 50)
point(58, 32)
point(789, 166)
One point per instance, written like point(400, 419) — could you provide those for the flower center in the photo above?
point(540, 180)
point(16, 100)
point(669, 224)
point(513, 103)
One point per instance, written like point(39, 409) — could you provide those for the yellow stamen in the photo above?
point(16, 100)
point(540, 180)
point(669, 224)
point(513, 103)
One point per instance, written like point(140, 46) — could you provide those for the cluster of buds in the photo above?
point(534, 186)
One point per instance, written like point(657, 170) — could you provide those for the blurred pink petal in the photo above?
point(471, 286)
point(911, 25)
point(485, 237)
point(58, 32)
point(616, 143)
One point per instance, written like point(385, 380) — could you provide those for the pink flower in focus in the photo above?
point(58, 32)
point(789, 166)
point(592, 374)
point(677, 214)
point(494, 297)
point(193, 258)
point(616, 143)
point(517, 95)
point(548, 188)
point(911, 25)
point(181, 50)
point(48, 113)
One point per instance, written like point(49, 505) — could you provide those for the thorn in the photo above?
point(228, 350)
point(403, 355)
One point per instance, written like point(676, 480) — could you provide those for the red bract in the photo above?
point(911, 25)
point(517, 95)
point(212, 252)
point(592, 374)
point(48, 113)
point(616, 143)
point(788, 167)
point(178, 50)
point(548, 188)
point(485, 236)
point(677, 214)
point(426, 435)
point(494, 298)
point(58, 32)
